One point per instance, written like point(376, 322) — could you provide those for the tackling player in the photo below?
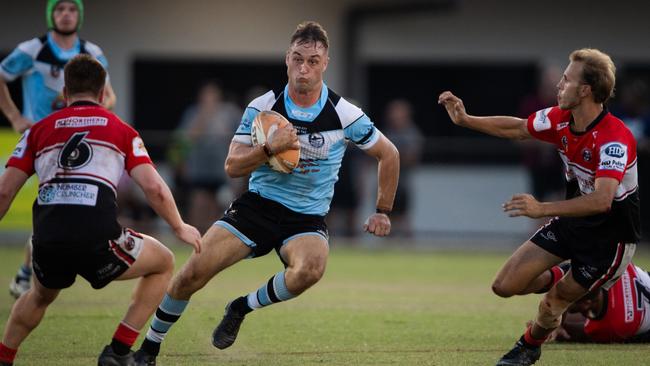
point(39, 62)
point(597, 226)
point(79, 155)
point(283, 212)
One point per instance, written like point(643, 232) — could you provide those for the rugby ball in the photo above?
point(265, 124)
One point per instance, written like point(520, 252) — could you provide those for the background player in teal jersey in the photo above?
point(39, 62)
point(283, 212)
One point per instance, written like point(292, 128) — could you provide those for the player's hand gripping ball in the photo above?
point(265, 125)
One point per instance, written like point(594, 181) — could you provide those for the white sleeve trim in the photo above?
point(94, 49)
point(541, 121)
point(243, 139)
point(31, 47)
point(348, 112)
point(263, 102)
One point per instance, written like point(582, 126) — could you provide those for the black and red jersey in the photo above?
point(79, 154)
point(606, 148)
point(627, 311)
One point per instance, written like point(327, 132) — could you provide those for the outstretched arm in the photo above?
point(10, 183)
point(161, 200)
point(499, 126)
point(388, 175)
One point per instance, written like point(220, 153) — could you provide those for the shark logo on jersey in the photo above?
point(55, 71)
point(316, 139)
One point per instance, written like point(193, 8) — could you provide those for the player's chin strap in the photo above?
point(68, 33)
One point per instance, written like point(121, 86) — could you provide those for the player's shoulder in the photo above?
point(554, 114)
point(551, 118)
point(31, 47)
point(615, 125)
point(347, 111)
point(265, 101)
point(92, 48)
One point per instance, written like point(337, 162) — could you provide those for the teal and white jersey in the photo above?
point(323, 130)
point(40, 62)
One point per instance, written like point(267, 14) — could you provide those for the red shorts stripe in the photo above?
point(616, 264)
point(124, 256)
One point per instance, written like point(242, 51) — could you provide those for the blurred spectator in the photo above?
point(403, 132)
point(633, 107)
point(203, 139)
point(132, 207)
point(542, 161)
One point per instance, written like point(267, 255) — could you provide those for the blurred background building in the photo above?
point(494, 54)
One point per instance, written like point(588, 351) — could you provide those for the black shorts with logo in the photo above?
point(56, 265)
point(596, 260)
point(263, 224)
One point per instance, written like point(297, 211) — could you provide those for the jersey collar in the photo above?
point(591, 125)
point(81, 103)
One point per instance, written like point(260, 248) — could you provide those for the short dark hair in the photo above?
point(84, 75)
point(308, 32)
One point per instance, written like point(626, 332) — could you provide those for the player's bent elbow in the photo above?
point(603, 204)
point(232, 170)
point(154, 190)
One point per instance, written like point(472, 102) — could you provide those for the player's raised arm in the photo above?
point(161, 200)
point(499, 126)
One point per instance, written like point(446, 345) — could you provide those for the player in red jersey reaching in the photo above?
point(79, 154)
point(597, 225)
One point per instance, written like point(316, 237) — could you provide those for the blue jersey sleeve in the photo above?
point(362, 132)
point(15, 65)
point(243, 133)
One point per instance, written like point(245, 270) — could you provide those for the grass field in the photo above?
point(388, 307)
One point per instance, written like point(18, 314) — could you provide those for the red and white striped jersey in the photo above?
point(79, 154)
point(606, 148)
point(628, 309)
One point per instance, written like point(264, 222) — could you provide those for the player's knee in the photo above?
point(501, 289)
point(41, 299)
point(310, 272)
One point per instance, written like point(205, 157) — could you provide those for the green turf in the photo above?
point(371, 308)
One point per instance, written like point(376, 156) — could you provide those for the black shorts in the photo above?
point(595, 262)
point(263, 224)
point(56, 265)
